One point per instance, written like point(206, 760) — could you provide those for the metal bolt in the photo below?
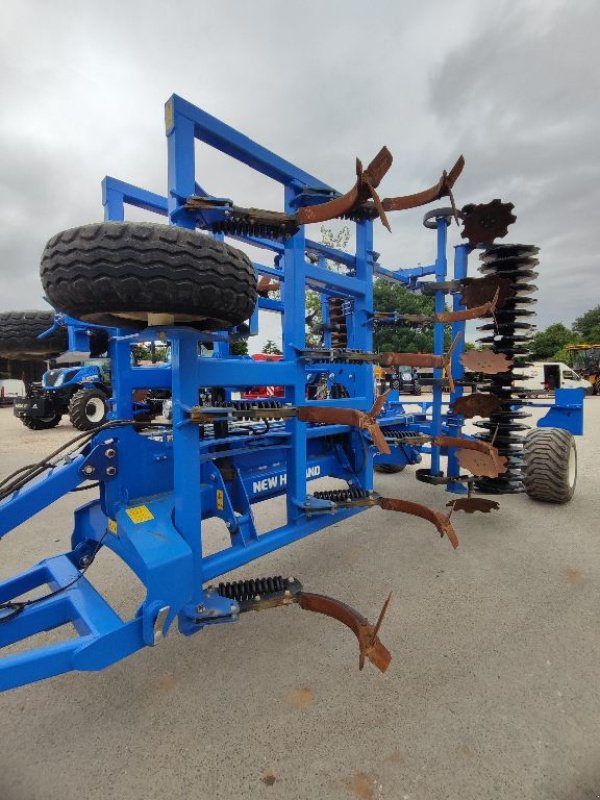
point(200, 609)
point(85, 561)
point(111, 471)
point(89, 469)
point(110, 453)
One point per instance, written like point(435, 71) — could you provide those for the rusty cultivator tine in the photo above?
point(367, 180)
point(369, 643)
point(266, 285)
point(350, 416)
point(441, 521)
point(443, 188)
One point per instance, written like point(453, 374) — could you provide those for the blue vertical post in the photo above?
point(182, 163)
point(363, 327)
point(461, 253)
point(441, 267)
point(186, 452)
point(294, 336)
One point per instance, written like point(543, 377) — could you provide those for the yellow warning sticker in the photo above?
point(220, 500)
point(112, 526)
point(139, 514)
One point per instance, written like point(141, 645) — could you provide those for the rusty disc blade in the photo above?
point(472, 504)
point(476, 405)
point(486, 361)
point(477, 291)
point(480, 464)
point(486, 222)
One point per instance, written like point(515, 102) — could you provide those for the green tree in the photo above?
point(271, 348)
point(395, 297)
point(545, 344)
point(588, 326)
point(239, 348)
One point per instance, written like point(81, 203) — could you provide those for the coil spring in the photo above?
point(509, 336)
point(337, 317)
point(398, 436)
point(341, 495)
point(247, 590)
point(247, 405)
point(241, 227)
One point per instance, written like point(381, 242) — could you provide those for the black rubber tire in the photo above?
point(549, 473)
point(19, 331)
point(596, 387)
point(389, 469)
point(41, 423)
point(79, 409)
point(418, 390)
point(116, 273)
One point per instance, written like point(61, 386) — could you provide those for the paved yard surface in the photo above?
point(493, 692)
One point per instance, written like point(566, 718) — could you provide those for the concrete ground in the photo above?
point(493, 691)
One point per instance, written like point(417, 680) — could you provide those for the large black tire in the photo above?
point(19, 331)
point(389, 469)
point(133, 274)
point(88, 409)
point(41, 423)
point(550, 468)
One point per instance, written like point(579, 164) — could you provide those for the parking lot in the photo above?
point(493, 691)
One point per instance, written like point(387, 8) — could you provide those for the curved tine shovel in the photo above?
point(441, 521)
point(443, 188)
point(369, 643)
point(367, 181)
point(484, 310)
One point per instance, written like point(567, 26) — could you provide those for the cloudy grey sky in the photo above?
point(513, 86)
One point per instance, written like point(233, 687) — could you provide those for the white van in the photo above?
point(10, 389)
point(546, 376)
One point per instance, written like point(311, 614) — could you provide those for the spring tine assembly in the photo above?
point(263, 593)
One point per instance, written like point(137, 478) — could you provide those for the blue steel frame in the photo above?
point(156, 486)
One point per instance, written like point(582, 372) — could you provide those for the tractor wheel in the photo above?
point(418, 390)
point(550, 469)
point(19, 331)
point(138, 274)
point(389, 469)
point(596, 387)
point(88, 409)
point(42, 423)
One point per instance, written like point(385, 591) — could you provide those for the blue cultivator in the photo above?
point(158, 482)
